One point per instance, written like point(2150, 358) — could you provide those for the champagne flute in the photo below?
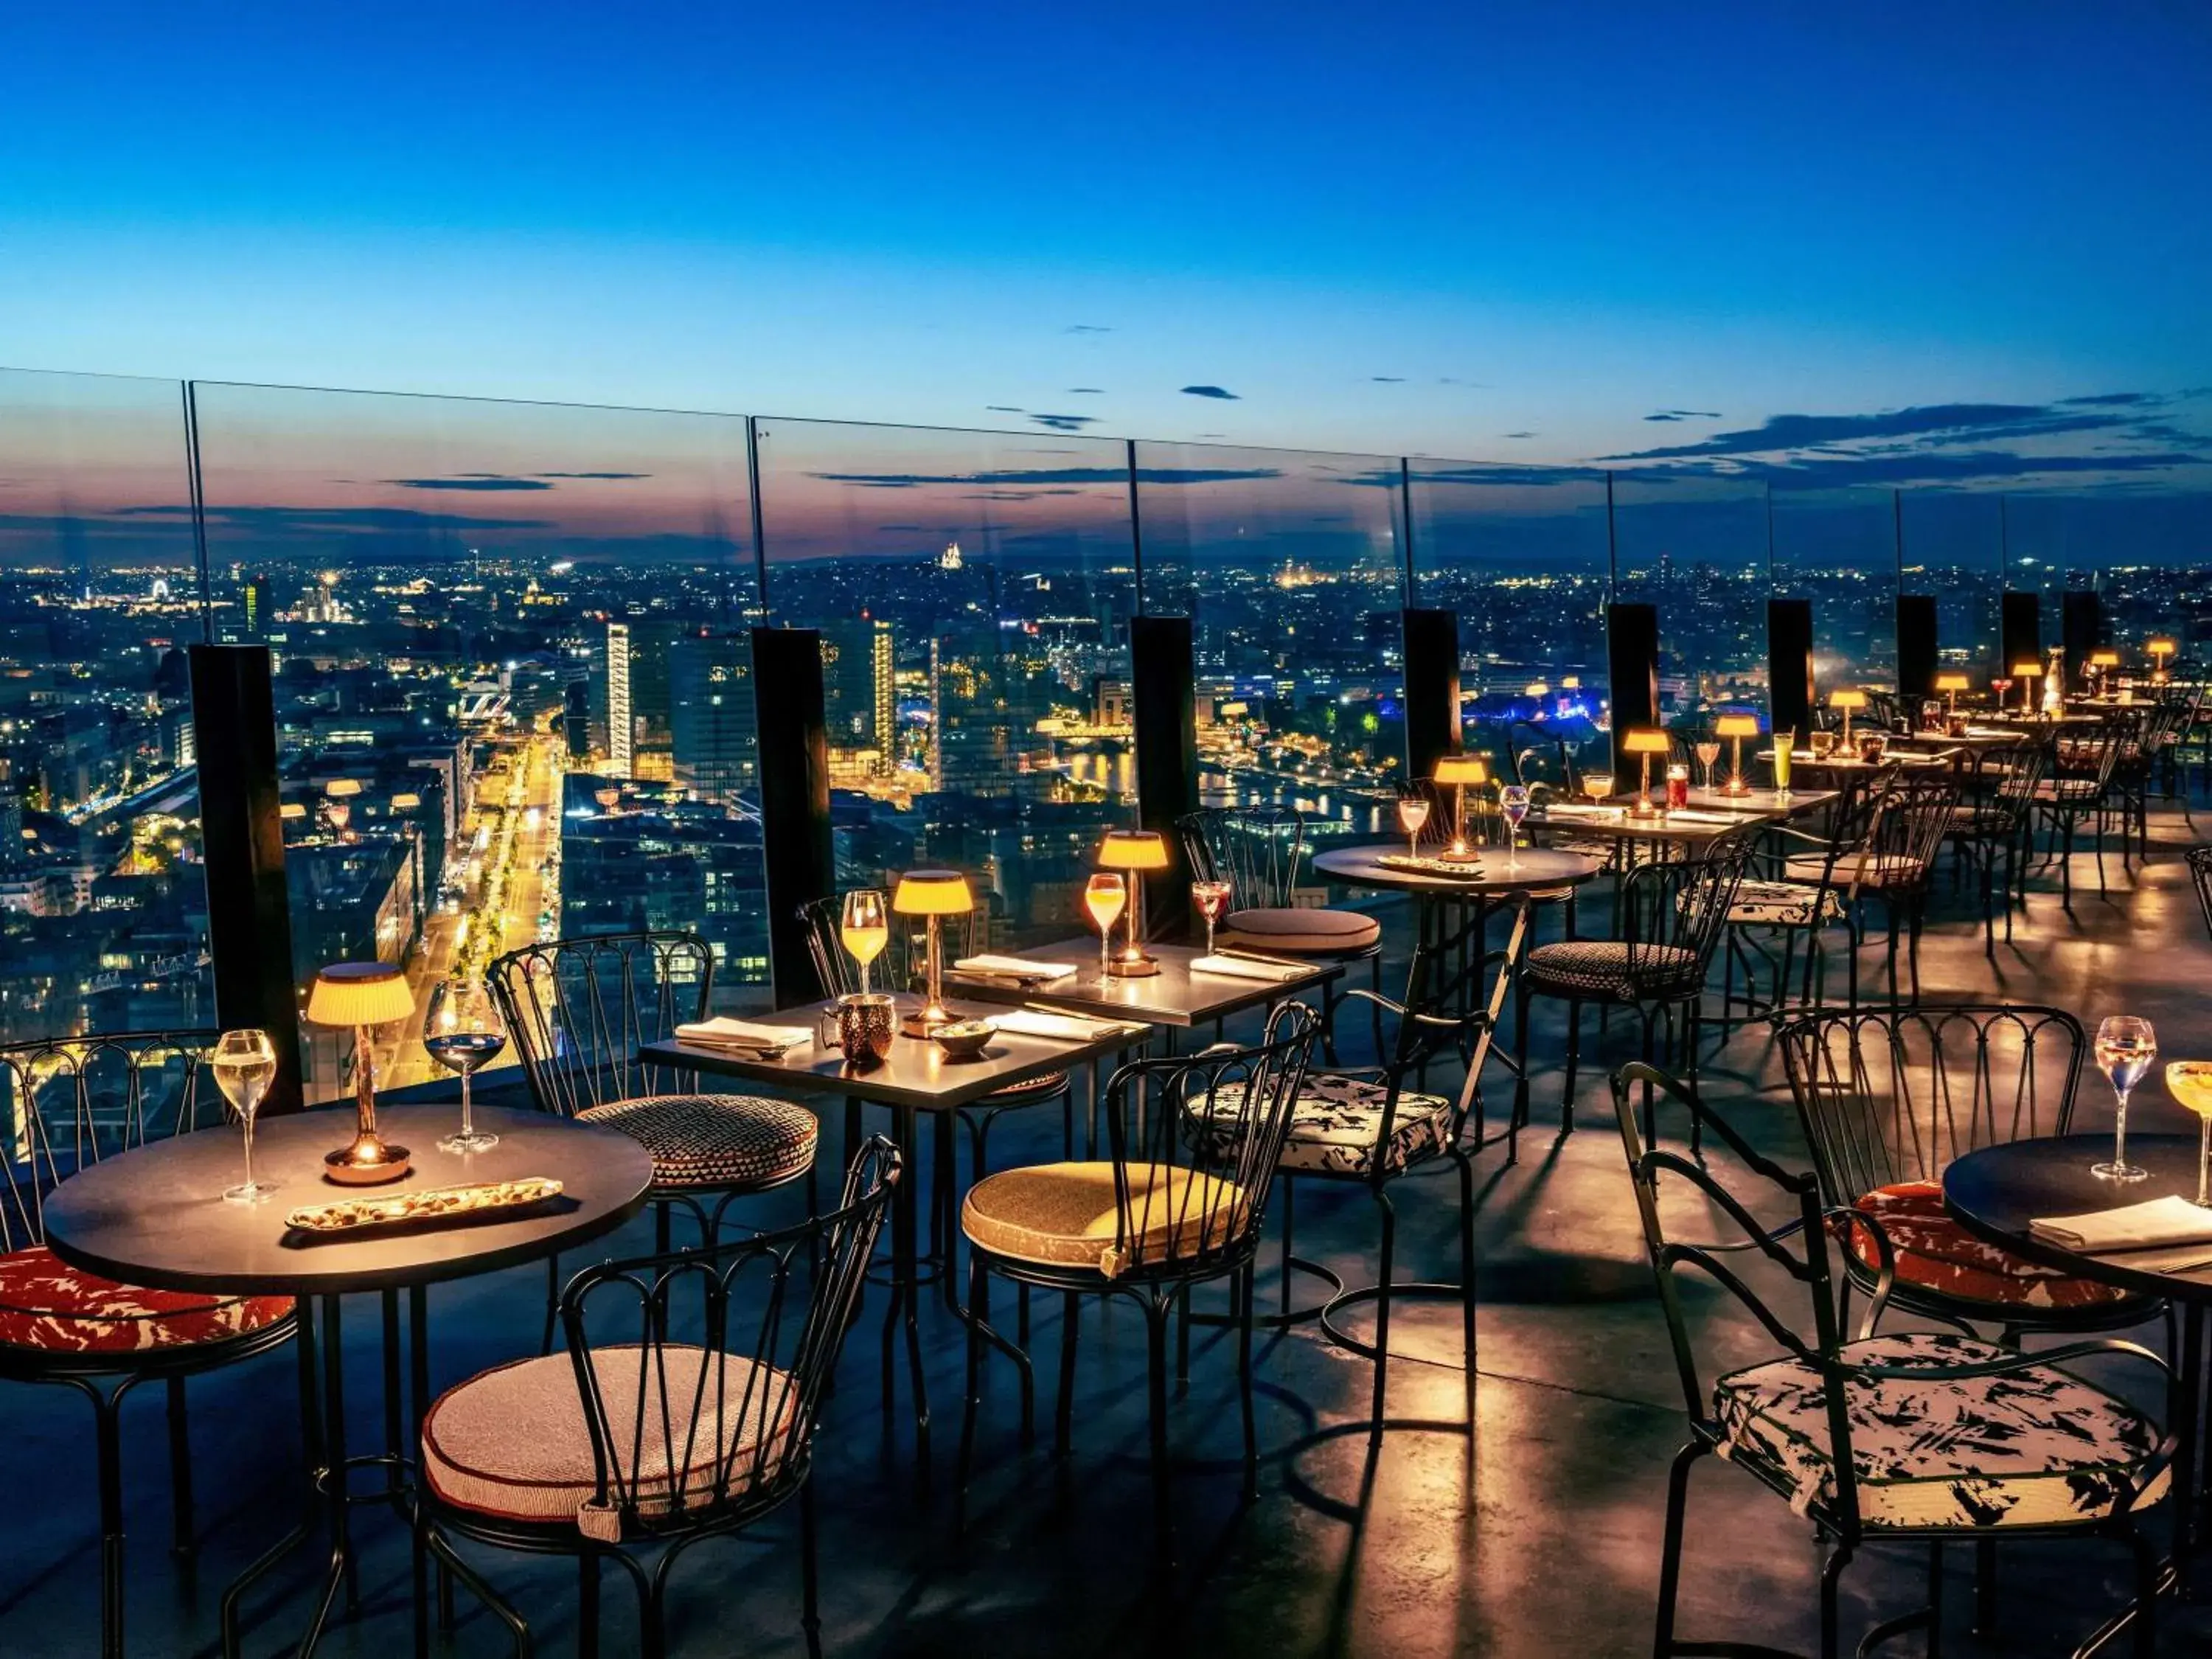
point(1413, 813)
point(1513, 806)
point(244, 1065)
point(462, 1032)
point(1709, 751)
point(2125, 1047)
point(2189, 1082)
point(1212, 898)
point(1105, 897)
point(865, 929)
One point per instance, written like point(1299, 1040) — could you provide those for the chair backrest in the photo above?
point(1257, 850)
point(577, 1009)
point(2001, 781)
point(2200, 872)
point(1674, 913)
point(1916, 810)
point(73, 1100)
point(1893, 1095)
point(715, 1361)
point(2083, 757)
point(1540, 755)
point(1191, 1177)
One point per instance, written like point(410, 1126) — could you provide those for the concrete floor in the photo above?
point(1536, 1536)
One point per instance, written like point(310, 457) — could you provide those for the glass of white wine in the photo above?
point(244, 1065)
point(1413, 813)
point(1104, 898)
point(462, 1032)
point(1597, 786)
point(2189, 1082)
point(1708, 752)
point(865, 928)
point(2126, 1046)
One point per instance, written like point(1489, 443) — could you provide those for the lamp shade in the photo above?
point(2026, 671)
point(406, 801)
point(359, 994)
point(1646, 742)
point(338, 789)
point(1462, 769)
point(1132, 849)
point(1536, 689)
point(1953, 681)
point(1736, 725)
point(1847, 698)
point(2104, 659)
point(2160, 647)
point(932, 893)
point(291, 809)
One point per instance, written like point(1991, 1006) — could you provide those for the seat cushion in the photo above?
point(1599, 967)
point(1936, 1254)
point(1301, 933)
point(1336, 1125)
point(1064, 1215)
point(511, 1441)
point(1784, 904)
point(2037, 1447)
point(1882, 870)
point(46, 1304)
point(714, 1141)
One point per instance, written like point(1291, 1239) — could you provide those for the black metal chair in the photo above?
point(683, 1408)
point(2078, 786)
point(2148, 756)
point(2200, 876)
point(1196, 1142)
point(1913, 812)
point(72, 1100)
point(578, 1010)
point(1820, 889)
point(1929, 1438)
point(1994, 817)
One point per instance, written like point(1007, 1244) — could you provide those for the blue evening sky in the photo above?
point(1511, 232)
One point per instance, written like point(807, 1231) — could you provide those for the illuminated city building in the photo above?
point(711, 714)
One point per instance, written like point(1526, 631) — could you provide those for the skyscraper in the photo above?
point(614, 666)
point(712, 714)
point(882, 658)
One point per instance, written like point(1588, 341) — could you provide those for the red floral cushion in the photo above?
point(1936, 1254)
point(47, 1304)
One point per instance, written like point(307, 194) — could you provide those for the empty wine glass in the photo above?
point(1709, 751)
point(865, 929)
point(1105, 897)
point(244, 1065)
point(1212, 898)
point(1413, 813)
point(2126, 1046)
point(462, 1032)
point(1513, 806)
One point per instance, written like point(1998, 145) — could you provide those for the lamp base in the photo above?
point(924, 1020)
point(1735, 786)
point(1137, 967)
point(1456, 853)
point(368, 1161)
point(1645, 809)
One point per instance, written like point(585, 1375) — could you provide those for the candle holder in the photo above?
point(364, 995)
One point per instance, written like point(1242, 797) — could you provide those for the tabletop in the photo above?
point(1996, 1192)
point(1712, 813)
point(1535, 868)
point(918, 1072)
point(1174, 996)
point(155, 1216)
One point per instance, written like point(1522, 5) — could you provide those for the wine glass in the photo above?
point(865, 929)
point(2125, 1047)
point(1413, 813)
point(2189, 1082)
point(1821, 743)
point(1597, 786)
point(1513, 806)
point(244, 1065)
point(1998, 690)
point(462, 1032)
point(1105, 897)
point(1709, 751)
point(1212, 898)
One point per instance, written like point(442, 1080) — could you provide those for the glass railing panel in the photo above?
point(1696, 547)
point(103, 904)
point(1291, 567)
point(2147, 554)
point(1520, 553)
point(1837, 549)
point(513, 673)
point(1951, 545)
point(973, 591)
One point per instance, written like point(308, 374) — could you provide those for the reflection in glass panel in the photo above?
point(1697, 548)
point(973, 591)
point(513, 683)
point(1950, 544)
point(1520, 553)
point(1837, 548)
point(103, 907)
point(1290, 566)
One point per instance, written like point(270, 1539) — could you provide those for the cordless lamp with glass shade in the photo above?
point(1850, 699)
point(1644, 745)
point(1457, 771)
point(1736, 728)
point(2100, 664)
point(932, 895)
point(363, 995)
point(1950, 685)
point(2027, 671)
point(1133, 853)
point(2159, 651)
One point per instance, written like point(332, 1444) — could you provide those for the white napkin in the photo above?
point(1067, 1028)
point(1568, 809)
point(1685, 814)
point(2149, 1226)
point(1021, 967)
point(723, 1032)
point(1244, 968)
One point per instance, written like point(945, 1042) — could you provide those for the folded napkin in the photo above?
point(723, 1032)
point(1067, 1028)
point(1013, 967)
point(1687, 815)
point(2155, 1224)
point(1567, 809)
point(1245, 967)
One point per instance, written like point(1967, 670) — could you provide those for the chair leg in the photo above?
point(977, 1273)
point(1520, 1081)
point(587, 1605)
point(108, 1450)
point(1467, 1281)
point(1182, 1341)
point(1574, 1059)
point(1383, 1315)
point(180, 1472)
point(1670, 1551)
point(1985, 1587)
point(1070, 1325)
point(2148, 1569)
point(1241, 1290)
point(810, 1579)
point(1831, 1612)
point(552, 1303)
point(1155, 1376)
point(1936, 1600)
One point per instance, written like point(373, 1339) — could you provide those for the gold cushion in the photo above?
point(1065, 1215)
point(1319, 932)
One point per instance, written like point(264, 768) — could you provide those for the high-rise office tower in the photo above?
point(972, 740)
point(614, 663)
point(712, 714)
point(883, 661)
point(848, 695)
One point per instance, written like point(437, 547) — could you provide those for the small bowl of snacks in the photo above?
point(963, 1039)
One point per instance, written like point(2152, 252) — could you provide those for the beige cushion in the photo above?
point(714, 1141)
point(1318, 933)
point(1064, 1215)
point(511, 1441)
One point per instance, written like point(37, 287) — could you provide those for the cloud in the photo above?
point(1090, 391)
point(1209, 391)
point(1388, 379)
point(1064, 423)
point(1517, 435)
point(1933, 422)
point(1060, 474)
point(2114, 400)
point(492, 481)
point(380, 519)
point(591, 475)
point(1004, 408)
point(1087, 328)
point(1685, 414)
point(1928, 467)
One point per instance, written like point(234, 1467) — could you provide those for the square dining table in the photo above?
point(1179, 996)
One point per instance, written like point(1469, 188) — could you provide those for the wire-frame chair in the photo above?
point(578, 1010)
point(1913, 812)
point(684, 1407)
point(2078, 785)
point(1195, 1141)
point(72, 1102)
point(2147, 756)
point(2200, 875)
point(1258, 851)
point(1931, 1438)
point(1996, 807)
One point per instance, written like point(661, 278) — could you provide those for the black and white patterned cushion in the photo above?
point(1880, 870)
point(714, 1141)
point(2037, 1447)
point(1599, 967)
point(1784, 904)
point(1336, 1126)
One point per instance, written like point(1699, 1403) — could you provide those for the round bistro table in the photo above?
point(155, 1216)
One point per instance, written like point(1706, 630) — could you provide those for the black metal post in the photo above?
point(2082, 620)
point(794, 786)
point(1791, 691)
point(1631, 650)
point(2019, 630)
point(1163, 675)
point(1431, 688)
point(1916, 645)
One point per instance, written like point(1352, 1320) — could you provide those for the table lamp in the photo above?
point(2102, 663)
point(364, 995)
point(934, 895)
point(2159, 651)
point(2027, 671)
point(1950, 685)
point(1458, 771)
point(1736, 728)
point(1646, 744)
point(1133, 853)
point(1847, 698)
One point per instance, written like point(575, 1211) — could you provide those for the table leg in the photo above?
point(331, 1479)
point(905, 1298)
point(311, 1443)
point(418, 1360)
